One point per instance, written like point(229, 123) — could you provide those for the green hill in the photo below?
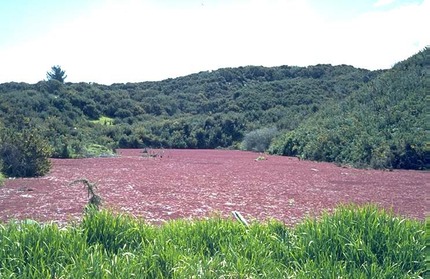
point(203, 110)
point(329, 113)
point(381, 125)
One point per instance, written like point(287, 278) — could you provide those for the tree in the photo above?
point(56, 73)
point(24, 153)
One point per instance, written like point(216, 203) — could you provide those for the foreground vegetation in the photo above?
point(352, 242)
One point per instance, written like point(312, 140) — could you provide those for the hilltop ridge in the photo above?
point(218, 109)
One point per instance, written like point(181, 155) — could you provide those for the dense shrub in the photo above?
point(24, 154)
point(382, 125)
point(259, 140)
point(379, 125)
point(204, 110)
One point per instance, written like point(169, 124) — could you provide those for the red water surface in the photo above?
point(199, 183)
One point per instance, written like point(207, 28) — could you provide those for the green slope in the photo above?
point(203, 110)
point(381, 125)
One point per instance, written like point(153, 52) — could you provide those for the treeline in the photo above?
point(381, 125)
point(203, 110)
point(329, 113)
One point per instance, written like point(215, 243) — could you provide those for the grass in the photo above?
point(352, 242)
point(89, 150)
point(96, 150)
point(104, 120)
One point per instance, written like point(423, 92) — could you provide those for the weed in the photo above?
point(95, 200)
point(261, 158)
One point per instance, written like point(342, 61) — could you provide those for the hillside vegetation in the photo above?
point(323, 112)
point(381, 125)
point(204, 110)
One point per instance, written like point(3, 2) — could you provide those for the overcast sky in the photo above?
point(115, 41)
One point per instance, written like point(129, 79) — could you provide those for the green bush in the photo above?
point(96, 150)
point(381, 125)
point(24, 154)
point(204, 110)
point(259, 140)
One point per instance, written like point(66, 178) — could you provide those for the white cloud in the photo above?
point(158, 43)
point(380, 39)
point(130, 41)
point(382, 3)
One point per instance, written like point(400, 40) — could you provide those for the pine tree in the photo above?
point(56, 73)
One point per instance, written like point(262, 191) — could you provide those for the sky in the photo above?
point(120, 41)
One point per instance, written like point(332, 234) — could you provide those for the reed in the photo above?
point(351, 242)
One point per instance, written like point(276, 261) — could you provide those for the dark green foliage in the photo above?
point(24, 153)
point(51, 86)
point(204, 110)
point(381, 125)
point(56, 73)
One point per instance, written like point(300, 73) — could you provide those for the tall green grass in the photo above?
point(352, 242)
